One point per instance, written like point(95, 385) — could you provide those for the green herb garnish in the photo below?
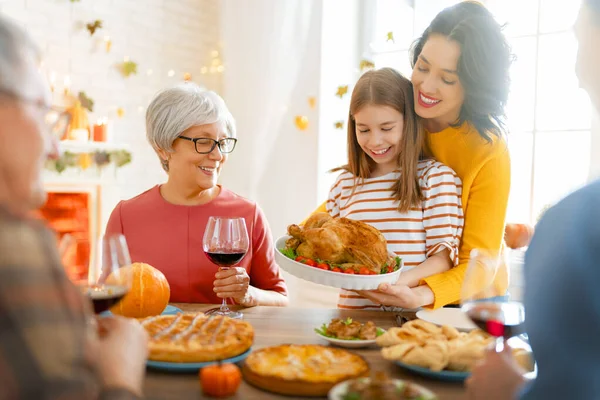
point(289, 253)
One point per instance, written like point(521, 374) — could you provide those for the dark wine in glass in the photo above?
point(225, 243)
point(225, 258)
point(105, 296)
point(502, 319)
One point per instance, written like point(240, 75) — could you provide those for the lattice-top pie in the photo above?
point(302, 370)
point(195, 337)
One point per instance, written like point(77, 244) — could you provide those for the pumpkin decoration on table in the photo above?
point(220, 380)
point(149, 293)
point(79, 120)
point(518, 235)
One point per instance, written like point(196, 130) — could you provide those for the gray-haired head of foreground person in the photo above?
point(25, 141)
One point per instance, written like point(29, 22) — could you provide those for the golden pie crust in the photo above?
point(195, 337)
point(302, 370)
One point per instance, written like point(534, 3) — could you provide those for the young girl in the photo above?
point(389, 184)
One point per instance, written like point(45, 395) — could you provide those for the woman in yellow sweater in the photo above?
point(461, 83)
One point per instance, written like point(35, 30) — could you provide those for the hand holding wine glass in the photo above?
point(484, 300)
point(225, 244)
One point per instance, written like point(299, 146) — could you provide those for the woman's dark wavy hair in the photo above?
point(483, 66)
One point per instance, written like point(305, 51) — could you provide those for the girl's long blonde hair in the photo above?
point(387, 87)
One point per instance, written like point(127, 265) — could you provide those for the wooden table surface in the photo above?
point(279, 325)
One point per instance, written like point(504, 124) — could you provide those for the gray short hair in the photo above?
point(14, 45)
point(176, 109)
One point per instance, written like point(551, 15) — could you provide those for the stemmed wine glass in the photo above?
point(109, 279)
point(484, 300)
point(225, 244)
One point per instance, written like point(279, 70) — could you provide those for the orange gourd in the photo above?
point(518, 235)
point(220, 380)
point(149, 294)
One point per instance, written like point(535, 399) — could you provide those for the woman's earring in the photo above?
point(165, 163)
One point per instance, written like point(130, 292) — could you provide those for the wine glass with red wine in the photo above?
point(225, 244)
point(484, 299)
point(108, 282)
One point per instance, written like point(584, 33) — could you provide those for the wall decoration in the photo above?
point(107, 43)
point(341, 91)
point(301, 122)
point(86, 102)
point(86, 160)
point(187, 77)
point(128, 68)
point(339, 125)
point(390, 37)
point(120, 112)
point(366, 65)
point(312, 102)
point(92, 27)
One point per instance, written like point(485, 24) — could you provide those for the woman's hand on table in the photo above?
point(399, 295)
point(497, 376)
point(234, 283)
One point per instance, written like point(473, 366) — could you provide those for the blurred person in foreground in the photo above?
point(562, 299)
point(48, 347)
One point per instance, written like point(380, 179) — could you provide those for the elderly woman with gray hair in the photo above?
point(193, 132)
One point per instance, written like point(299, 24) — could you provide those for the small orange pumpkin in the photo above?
point(149, 294)
point(518, 235)
point(220, 380)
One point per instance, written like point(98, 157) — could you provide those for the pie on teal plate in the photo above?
point(448, 376)
point(192, 367)
point(169, 310)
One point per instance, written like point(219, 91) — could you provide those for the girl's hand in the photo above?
point(399, 295)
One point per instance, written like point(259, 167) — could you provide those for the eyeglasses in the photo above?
point(207, 145)
point(56, 120)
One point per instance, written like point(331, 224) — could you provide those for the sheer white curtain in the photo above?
point(271, 51)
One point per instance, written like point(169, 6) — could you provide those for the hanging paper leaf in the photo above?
point(101, 158)
point(93, 26)
point(120, 112)
point(301, 122)
point(85, 161)
point(120, 157)
point(312, 102)
point(128, 68)
point(339, 124)
point(86, 102)
point(75, 1)
point(366, 64)
point(341, 91)
point(390, 37)
point(187, 77)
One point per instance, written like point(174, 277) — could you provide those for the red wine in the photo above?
point(498, 319)
point(224, 258)
point(104, 297)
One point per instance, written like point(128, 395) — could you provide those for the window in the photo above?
point(549, 117)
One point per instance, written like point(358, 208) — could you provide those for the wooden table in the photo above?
point(279, 325)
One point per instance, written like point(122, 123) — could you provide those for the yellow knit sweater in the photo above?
point(484, 169)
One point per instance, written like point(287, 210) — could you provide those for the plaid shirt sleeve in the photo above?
point(42, 320)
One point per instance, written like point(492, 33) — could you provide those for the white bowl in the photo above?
point(338, 391)
point(349, 344)
point(330, 278)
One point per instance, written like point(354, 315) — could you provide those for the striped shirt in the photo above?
point(414, 236)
